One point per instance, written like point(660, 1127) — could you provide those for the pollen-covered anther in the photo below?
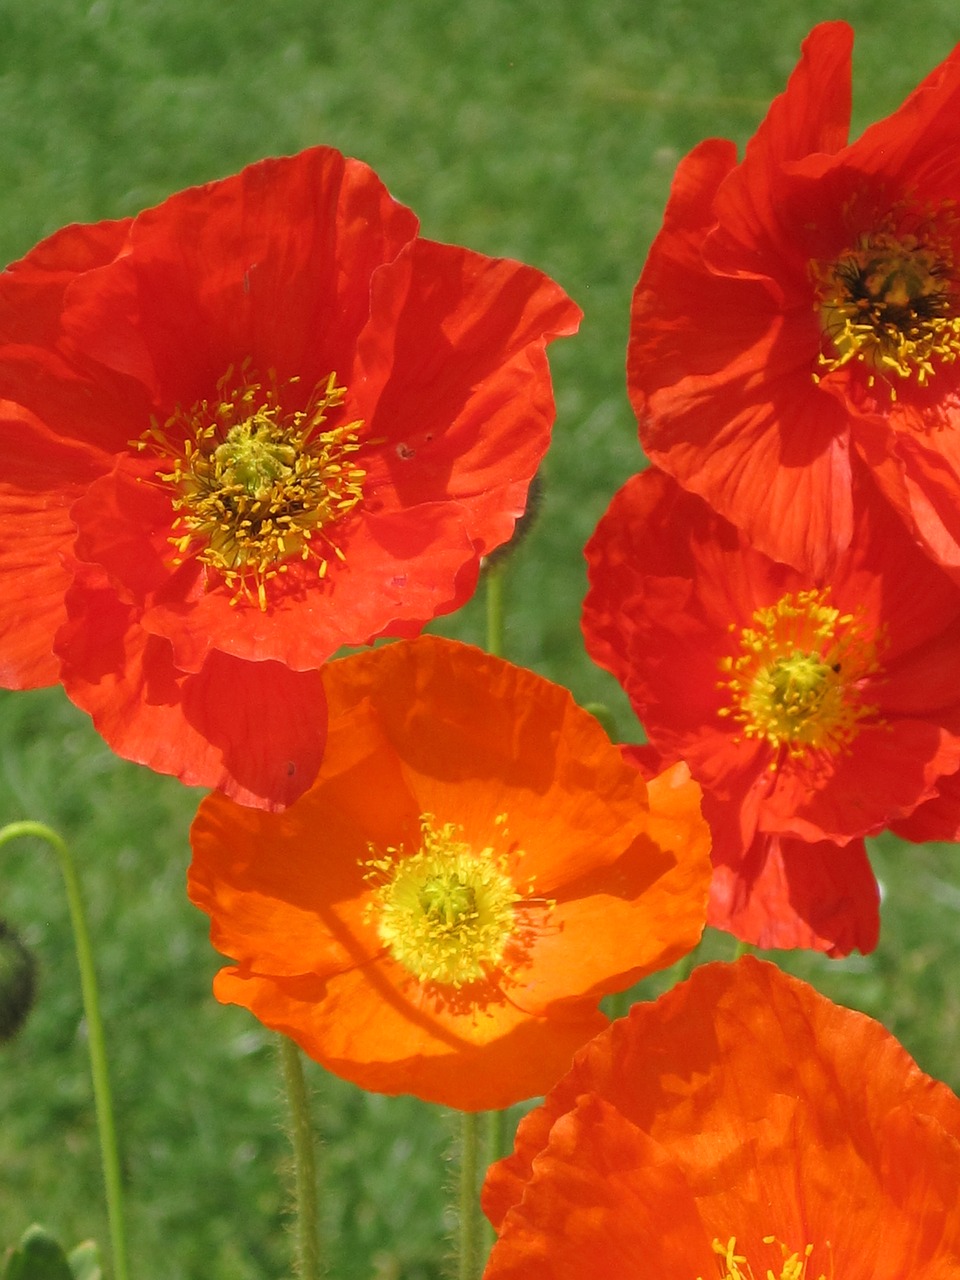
point(787, 1264)
point(447, 912)
point(257, 484)
point(798, 678)
point(892, 303)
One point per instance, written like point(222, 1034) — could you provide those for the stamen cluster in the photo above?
point(891, 303)
point(446, 912)
point(798, 679)
point(735, 1266)
point(256, 484)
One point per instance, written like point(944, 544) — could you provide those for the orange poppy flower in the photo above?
point(252, 425)
point(812, 711)
point(474, 867)
point(741, 1126)
point(801, 307)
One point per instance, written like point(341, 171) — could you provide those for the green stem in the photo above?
point(495, 608)
point(305, 1163)
point(469, 1235)
point(683, 968)
point(496, 1135)
point(618, 1004)
point(95, 1038)
point(742, 949)
point(496, 1149)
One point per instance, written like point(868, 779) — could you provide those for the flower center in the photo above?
point(792, 1266)
point(798, 678)
point(446, 912)
point(258, 485)
point(891, 302)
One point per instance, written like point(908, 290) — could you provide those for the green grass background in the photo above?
point(545, 130)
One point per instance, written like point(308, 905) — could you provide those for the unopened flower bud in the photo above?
point(18, 982)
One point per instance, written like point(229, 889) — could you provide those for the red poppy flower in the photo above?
point(36, 489)
point(741, 1126)
point(812, 712)
point(263, 420)
point(805, 302)
point(787, 893)
point(474, 867)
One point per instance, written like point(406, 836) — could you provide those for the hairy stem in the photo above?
point(305, 1162)
point(103, 1101)
point(469, 1216)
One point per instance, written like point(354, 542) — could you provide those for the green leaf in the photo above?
point(85, 1261)
point(38, 1256)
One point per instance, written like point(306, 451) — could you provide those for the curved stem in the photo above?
point(305, 1163)
point(96, 1042)
point(469, 1217)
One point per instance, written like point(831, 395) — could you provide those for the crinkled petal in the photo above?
point(596, 1204)
point(271, 265)
point(755, 1085)
point(812, 115)
point(453, 357)
point(254, 730)
point(663, 872)
point(42, 476)
point(785, 893)
point(410, 1041)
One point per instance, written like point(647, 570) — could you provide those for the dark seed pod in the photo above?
point(18, 982)
point(522, 527)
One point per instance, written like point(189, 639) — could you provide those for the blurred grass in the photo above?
point(546, 131)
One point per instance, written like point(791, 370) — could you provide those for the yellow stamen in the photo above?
point(797, 680)
point(892, 302)
point(790, 1265)
point(257, 484)
point(447, 912)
